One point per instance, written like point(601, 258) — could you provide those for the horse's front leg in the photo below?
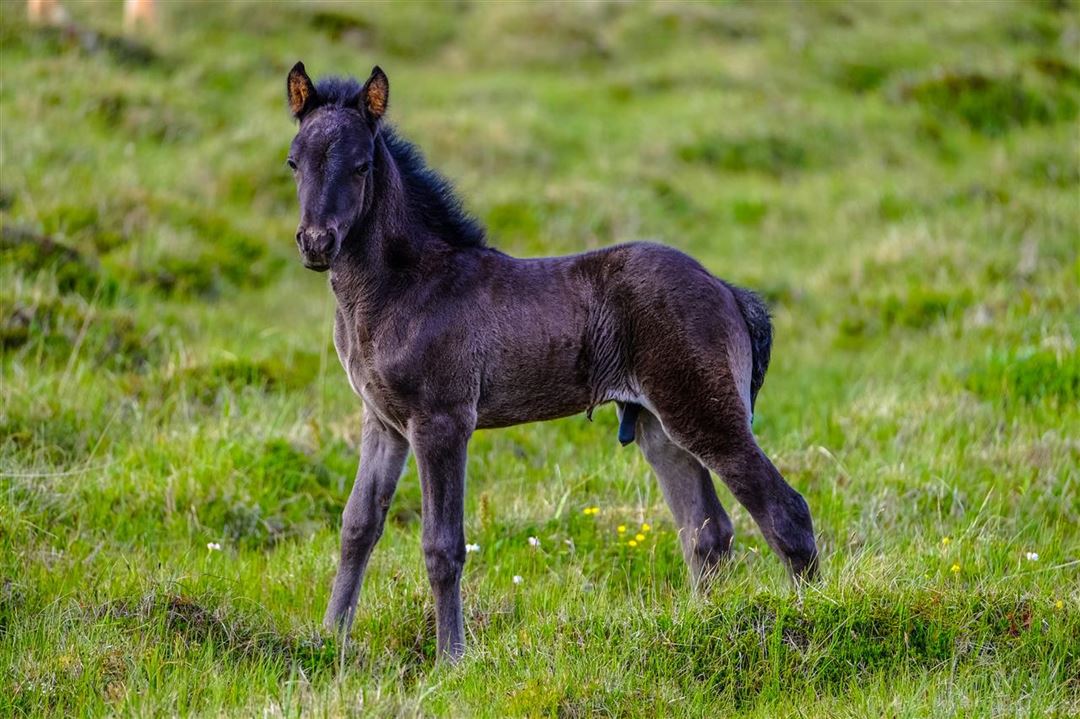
point(383, 452)
point(440, 443)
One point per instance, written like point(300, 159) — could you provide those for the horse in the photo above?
point(441, 334)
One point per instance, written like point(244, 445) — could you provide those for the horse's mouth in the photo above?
point(321, 266)
point(318, 261)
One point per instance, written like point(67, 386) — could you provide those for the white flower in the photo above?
point(213, 546)
point(472, 547)
point(1032, 556)
point(518, 579)
point(534, 542)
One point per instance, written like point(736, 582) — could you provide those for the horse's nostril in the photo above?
point(321, 242)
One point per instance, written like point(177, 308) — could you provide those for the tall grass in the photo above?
point(900, 180)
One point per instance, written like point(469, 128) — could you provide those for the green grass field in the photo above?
point(900, 180)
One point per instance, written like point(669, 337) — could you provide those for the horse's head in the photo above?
point(331, 158)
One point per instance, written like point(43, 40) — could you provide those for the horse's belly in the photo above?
point(533, 392)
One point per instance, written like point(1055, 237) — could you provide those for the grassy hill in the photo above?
point(900, 180)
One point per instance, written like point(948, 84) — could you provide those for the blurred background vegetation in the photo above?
point(899, 180)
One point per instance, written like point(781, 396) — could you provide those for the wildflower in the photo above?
point(621, 529)
point(590, 511)
point(534, 542)
point(472, 548)
point(1059, 604)
point(213, 546)
point(640, 537)
point(955, 569)
point(518, 579)
point(646, 527)
point(1032, 556)
point(945, 541)
point(631, 543)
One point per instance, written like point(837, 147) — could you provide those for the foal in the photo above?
point(440, 334)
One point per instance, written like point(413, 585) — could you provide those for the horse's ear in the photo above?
point(301, 91)
point(375, 95)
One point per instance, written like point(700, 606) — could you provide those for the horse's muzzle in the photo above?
point(318, 247)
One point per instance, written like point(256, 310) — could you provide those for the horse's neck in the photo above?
point(362, 279)
point(376, 260)
point(382, 262)
point(364, 252)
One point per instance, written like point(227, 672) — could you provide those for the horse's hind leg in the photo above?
point(705, 530)
point(780, 511)
point(717, 432)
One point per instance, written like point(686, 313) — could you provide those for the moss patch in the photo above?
point(988, 104)
point(1028, 375)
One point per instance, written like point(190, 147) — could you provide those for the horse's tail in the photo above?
point(756, 315)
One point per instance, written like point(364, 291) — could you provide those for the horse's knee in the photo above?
point(445, 559)
point(359, 532)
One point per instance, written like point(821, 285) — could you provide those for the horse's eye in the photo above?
point(291, 164)
point(362, 168)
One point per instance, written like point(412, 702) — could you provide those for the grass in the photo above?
point(900, 180)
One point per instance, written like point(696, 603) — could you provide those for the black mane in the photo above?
point(429, 194)
point(338, 92)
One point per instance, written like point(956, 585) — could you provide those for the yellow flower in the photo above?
point(589, 511)
point(1059, 604)
point(646, 527)
point(955, 569)
point(631, 543)
point(639, 537)
point(945, 541)
point(622, 529)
